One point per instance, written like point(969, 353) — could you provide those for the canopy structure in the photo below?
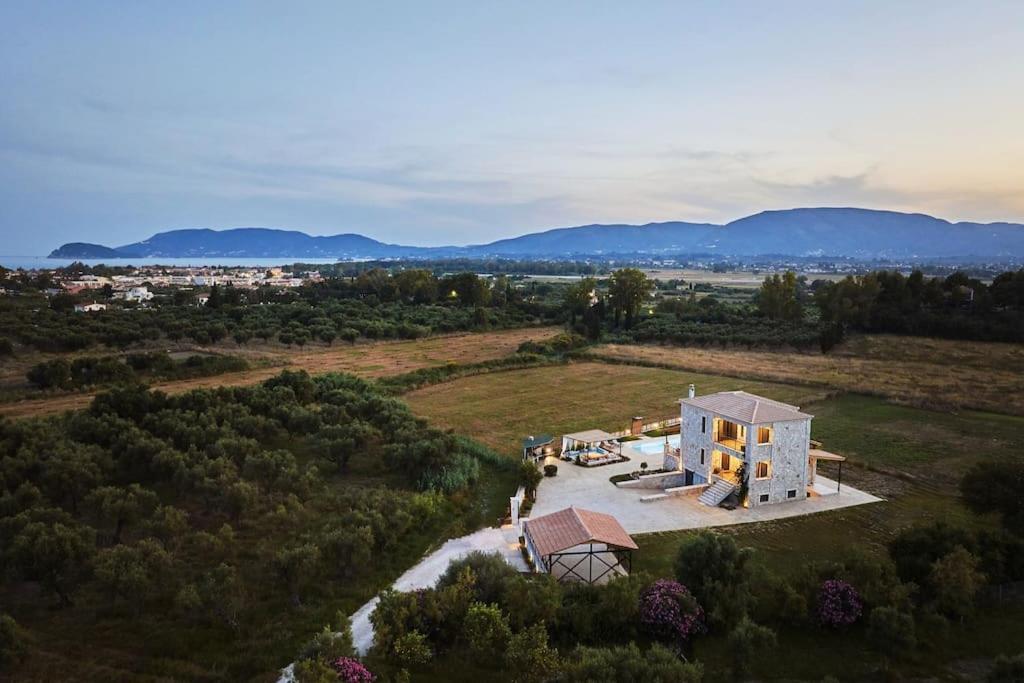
point(537, 446)
point(590, 436)
point(579, 545)
point(816, 454)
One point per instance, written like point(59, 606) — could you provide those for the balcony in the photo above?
point(732, 444)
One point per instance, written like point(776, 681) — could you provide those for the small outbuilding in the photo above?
point(579, 545)
point(536, 447)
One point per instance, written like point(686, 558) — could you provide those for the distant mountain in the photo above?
point(840, 232)
point(86, 250)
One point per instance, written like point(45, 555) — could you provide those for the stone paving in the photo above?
point(589, 488)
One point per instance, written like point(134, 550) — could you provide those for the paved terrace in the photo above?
point(589, 488)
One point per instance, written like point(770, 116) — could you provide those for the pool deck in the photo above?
point(589, 488)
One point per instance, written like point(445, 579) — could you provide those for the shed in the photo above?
point(579, 545)
point(537, 446)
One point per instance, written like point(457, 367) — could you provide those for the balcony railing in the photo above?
point(732, 443)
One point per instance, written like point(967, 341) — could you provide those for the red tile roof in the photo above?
point(572, 527)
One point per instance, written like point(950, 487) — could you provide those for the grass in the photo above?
point(936, 373)
point(500, 409)
point(912, 457)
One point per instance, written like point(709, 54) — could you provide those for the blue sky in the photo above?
point(435, 123)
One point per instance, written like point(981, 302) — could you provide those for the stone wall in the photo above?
point(787, 455)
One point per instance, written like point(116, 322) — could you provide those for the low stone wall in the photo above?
point(662, 480)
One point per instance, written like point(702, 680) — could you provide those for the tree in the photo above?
point(134, 573)
point(122, 506)
point(55, 555)
point(529, 657)
point(12, 643)
point(273, 470)
point(486, 632)
point(891, 631)
point(347, 549)
point(530, 477)
point(955, 579)
point(777, 299)
point(578, 298)
point(717, 571)
point(995, 487)
point(658, 664)
point(69, 474)
point(412, 649)
point(295, 567)
point(628, 289)
point(747, 641)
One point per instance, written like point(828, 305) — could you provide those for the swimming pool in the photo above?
point(656, 446)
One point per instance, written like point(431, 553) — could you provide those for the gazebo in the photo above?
point(591, 444)
point(579, 545)
point(816, 454)
point(539, 446)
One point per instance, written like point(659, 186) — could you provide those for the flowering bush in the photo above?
point(667, 610)
point(839, 604)
point(352, 671)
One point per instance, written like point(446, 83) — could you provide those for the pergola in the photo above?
point(584, 440)
point(579, 545)
point(537, 446)
point(816, 454)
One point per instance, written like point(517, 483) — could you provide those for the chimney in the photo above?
point(636, 428)
point(691, 392)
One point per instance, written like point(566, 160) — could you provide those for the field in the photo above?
point(936, 373)
point(374, 359)
point(910, 456)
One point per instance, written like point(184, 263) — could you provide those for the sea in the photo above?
point(42, 262)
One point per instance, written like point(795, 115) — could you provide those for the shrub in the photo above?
point(746, 642)
point(550, 470)
point(352, 671)
point(839, 604)
point(529, 657)
point(1007, 670)
point(485, 631)
point(667, 610)
point(12, 646)
point(412, 649)
point(890, 631)
point(629, 663)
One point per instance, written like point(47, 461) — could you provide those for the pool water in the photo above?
point(657, 446)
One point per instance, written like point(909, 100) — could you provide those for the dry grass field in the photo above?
point(936, 373)
point(499, 409)
point(375, 359)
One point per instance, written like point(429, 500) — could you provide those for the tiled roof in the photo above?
point(572, 527)
point(744, 407)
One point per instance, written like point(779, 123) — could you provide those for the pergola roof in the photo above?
point(818, 454)
point(571, 527)
point(539, 440)
point(748, 408)
point(590, 436)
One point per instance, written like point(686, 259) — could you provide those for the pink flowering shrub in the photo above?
point(839, 604)
point(352, 671)
point(667, 610)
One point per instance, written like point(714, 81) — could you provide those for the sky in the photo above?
point(433, 123)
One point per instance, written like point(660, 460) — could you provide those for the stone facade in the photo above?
point(786, 454)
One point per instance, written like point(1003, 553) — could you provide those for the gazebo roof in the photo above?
point(539, 440)
point(590, 436)
point(571, 527)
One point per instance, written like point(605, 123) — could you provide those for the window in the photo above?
point(704, 425)
point(764, 435)
point(791, 493)
point(762, 470)
point(763, 498)
point(702, 456)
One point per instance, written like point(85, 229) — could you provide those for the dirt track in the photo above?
point(367, 360)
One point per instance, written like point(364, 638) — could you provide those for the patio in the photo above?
point(590, 489)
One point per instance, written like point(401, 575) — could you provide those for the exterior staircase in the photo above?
point(717, 492)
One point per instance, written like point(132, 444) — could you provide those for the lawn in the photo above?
point(499, 409)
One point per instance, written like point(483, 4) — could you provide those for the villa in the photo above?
point(733, 440)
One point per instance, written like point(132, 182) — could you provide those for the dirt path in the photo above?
point(376, 359)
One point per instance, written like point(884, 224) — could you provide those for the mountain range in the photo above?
point(834, 232)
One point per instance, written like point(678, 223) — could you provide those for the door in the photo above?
point(726, 463)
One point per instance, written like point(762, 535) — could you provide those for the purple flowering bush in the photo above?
point(667, 610)
point(352, 671)
point(839, 604)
